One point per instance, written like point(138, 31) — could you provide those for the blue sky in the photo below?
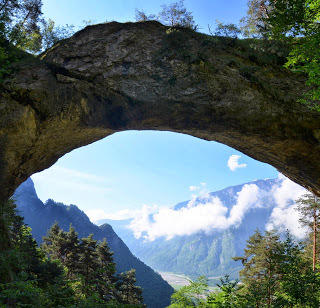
point(204, 11)
point(130, 169)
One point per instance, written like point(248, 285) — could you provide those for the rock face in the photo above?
point(114, 77)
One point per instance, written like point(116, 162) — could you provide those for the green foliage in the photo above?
point(66, 272)
point(261, 262)
point(22, 292)
point(255, 23)
point(300, 20)
point(127, 291)
point(7, 221)
point(89, 266)
point(23, 28)
point(227, 30)
point(50, 33)
point(276, 273)
point(26, 276)
point(190, 295)
point(296, 22)
point(228, 296)
point(5, 59)
point(299, 285)
point(19, 21)
point(309, 209)
point(156, 292)
point(21, 24)
point(174, 15)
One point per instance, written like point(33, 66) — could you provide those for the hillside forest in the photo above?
point(64, 272)
point(40, 217)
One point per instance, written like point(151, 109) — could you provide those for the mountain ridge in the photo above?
point(204, 253)
point(40, 216)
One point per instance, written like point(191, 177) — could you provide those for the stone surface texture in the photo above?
point(145, 76)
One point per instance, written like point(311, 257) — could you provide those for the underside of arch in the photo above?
point(114, 77)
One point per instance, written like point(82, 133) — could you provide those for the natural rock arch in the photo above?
point(114, 77)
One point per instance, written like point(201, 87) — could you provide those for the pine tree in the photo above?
point(191, 295)
point(298, 284)
point(88, 264)
point(51, 243)
point(228, 295)
point(309, 208)
point(261, 260)
point(72, 255)
point(128, 292)
point(34, 281)
point(7, 221)
point(106, 272)
point(19, 250)
point(63, 246)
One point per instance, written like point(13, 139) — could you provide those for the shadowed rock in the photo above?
point(114, 77)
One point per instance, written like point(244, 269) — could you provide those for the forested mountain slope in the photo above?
point(40, 217)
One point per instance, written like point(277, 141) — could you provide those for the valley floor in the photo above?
point(175, 280)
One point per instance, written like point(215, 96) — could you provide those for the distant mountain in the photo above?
point(40, 217)
point(203, 253)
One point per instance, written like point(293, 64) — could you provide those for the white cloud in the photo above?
point(207, 215)
point(247, 198)
point(233, 163)
point(169, 223)
point(193, 188)
point(98, 214)
point(285, 216)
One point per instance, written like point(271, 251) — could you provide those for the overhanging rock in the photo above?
point(114, 77)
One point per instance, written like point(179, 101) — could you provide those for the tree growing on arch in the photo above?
point(255, 23)
point(173, 15)
point(19, 20)
point(296, 22)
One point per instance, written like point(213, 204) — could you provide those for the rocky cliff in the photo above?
point(113, 77)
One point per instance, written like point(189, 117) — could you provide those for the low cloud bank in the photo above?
point(202, 213)
point(98, 214)
point(284, 215)
point(206, 213)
